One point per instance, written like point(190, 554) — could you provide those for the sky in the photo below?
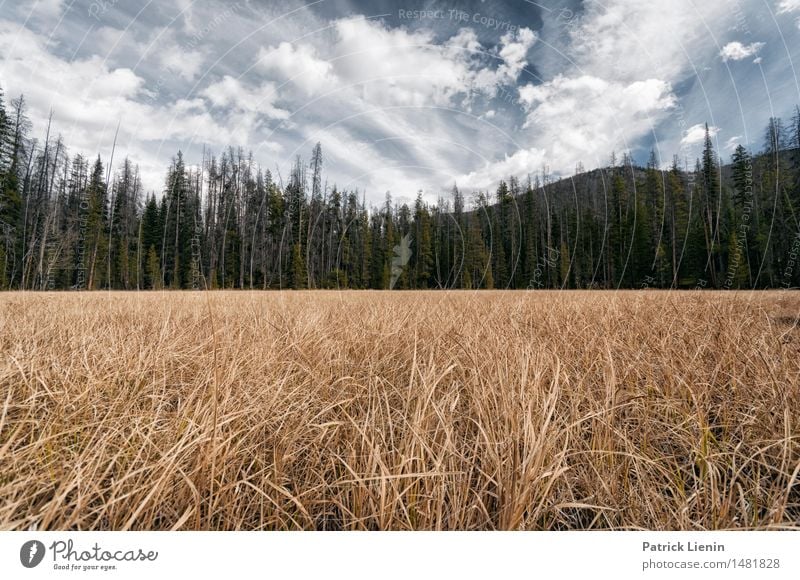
point(403, 96)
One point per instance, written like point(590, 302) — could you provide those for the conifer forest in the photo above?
point(75, 222)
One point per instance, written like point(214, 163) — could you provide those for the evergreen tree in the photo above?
point(711, 199)
point(499, 237)
point(422, 250)
point(96, 228)
point(13, 136)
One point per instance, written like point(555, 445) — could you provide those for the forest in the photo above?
point(72, 222)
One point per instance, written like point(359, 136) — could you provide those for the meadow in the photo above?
point(325, 410)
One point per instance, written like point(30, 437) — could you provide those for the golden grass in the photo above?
point(399, 410)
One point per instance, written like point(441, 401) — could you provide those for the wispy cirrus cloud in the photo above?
point(789, 7)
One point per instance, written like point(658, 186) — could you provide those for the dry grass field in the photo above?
point(397, 411)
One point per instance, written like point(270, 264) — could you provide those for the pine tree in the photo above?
point(9, 199)
point(678, 221)
point(499, 237)
point(619, 230)
point(12, 149)
point(711, 198)
point(656, 206)
point(96, 227)
point(422, 250)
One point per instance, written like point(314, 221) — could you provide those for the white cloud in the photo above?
point(398, 67)
point(300, 64)
point(512, 55)
point(88, 98)
point(788, 7)
point(732, 143)
point(185, 63)
point(738, 51)
point(399, 87)
point(522, 162)
point(50, 81)
point(158, 48)
point(514, 47)
point(623, 56)
point(108, 39)
point(580, 119)
point(697, 133)
point(233, 94)
point(629, 40)
point(381, 66)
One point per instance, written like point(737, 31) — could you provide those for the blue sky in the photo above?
point(403, 95)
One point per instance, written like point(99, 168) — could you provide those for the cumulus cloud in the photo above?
point(186, 10)
point(395, 66)
point(514, 47)
point(52, 81)
point(697, 133)
point(738, 51)
point(385, 66)
point(623, 58)
point(233, 94)
point(592, 106)
point(298, 63)
point(158, 48)
point(580, 118)
point(521, 162)
point(629, 40)
point(88, 97)
point(185, 63)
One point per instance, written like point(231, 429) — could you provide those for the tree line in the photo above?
point(69, 222)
